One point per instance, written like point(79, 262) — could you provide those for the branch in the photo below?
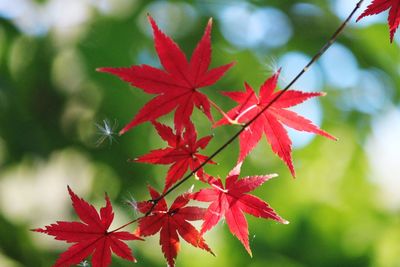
point(314, 59)
point(301, 73)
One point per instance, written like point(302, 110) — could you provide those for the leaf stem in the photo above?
point(226, 116)
point(127, 224)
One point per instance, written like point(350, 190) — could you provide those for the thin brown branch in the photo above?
point(314, 59)
point(301, 73)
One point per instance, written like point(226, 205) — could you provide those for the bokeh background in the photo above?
point(344, 205)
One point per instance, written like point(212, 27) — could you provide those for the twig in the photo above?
point(301, 73)
point(230, 140)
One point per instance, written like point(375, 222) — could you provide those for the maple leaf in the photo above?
point(91, 236)
point(171, 222)
point(182, 152)
point(177, 86)
point(272, 120)
point(232, 201)
point(378, 6)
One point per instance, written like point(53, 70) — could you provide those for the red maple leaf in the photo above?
point(272, 120)
point(171, 222)
point(378, 6)
point(232, 201)
point(182, 152)
point(177, 86)
point(91, 236)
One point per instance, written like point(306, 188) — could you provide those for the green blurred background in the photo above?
point(343, 206)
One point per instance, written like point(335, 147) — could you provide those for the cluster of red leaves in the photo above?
point(177, 88)
point(229, 203)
